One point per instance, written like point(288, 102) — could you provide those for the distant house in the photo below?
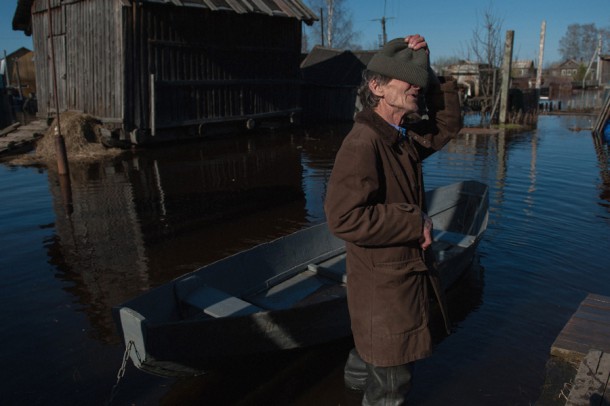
point(565, 69)
point(468, 75)
point(3, 75)
point(523, 69)
point(330, 82)
point(573, 71)
point(523, 75)
point(6, 112)
point(153, 70)
point(17, 83)
point(20, 73)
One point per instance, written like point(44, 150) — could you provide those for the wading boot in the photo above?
point(355, 372)
point(387, 386)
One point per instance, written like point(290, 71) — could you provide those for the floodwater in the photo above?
point(148, 216)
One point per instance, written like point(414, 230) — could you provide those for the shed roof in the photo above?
point(276, 8)
point(523, 64)
point(18, 53)
point(568, 63)
point(328, 66)
point(280, 8)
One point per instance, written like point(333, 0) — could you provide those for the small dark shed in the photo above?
point(331, 78)
point(154, 70)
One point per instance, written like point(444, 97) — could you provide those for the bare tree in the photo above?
point(485, 48)
point(486, 42)
point(335, 28)
point(444, 61)
point(580, 41)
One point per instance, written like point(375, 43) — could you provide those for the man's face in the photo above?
point(400, 96)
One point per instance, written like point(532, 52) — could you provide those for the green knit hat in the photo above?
point(396, 60)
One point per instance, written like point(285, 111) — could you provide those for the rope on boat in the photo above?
point(121, 372)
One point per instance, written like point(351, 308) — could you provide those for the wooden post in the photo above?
point(7, 73)
point(65, 187)
point(60, 145)
point(506, 68)
point(540, 56)
point(16, 60)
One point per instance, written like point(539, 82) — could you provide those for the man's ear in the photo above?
point(376, 88)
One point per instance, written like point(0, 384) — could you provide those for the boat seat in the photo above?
point(212, 301)
point(453, 238)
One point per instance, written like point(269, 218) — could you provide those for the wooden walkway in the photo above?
point(18, 139)
point(586, 337)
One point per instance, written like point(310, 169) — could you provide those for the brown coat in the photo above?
point(374, 202)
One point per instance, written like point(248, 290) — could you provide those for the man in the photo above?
point(375, 202)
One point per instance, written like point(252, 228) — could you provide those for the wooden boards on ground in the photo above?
point(586, 338)
point(19, 139)
point(588, 329)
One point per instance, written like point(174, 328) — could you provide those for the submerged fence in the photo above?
point(577, 100)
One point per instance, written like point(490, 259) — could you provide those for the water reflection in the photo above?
point(137, 221)
point(603, 158)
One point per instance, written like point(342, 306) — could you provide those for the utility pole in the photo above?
point(599, 62)
point(540, 56)
point(330, 20)
point(383, 21)
point(383, 30)
point(321, 26)
point(506, 68)
point(595, 55)
point(385, 35)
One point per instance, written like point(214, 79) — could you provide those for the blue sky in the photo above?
point(446, 24)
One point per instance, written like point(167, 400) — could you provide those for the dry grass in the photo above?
point(81, 137)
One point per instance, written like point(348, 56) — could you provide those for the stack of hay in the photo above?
point(81, 136)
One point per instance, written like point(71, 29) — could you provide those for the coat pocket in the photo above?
point(400, 300)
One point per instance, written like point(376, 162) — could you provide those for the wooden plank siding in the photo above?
point(143, 66)
point(206, 74)
point(88, 55)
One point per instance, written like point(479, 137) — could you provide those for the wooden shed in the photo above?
point(155, 70)
point(331, 78)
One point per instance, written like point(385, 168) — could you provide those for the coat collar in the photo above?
point(389, 134)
